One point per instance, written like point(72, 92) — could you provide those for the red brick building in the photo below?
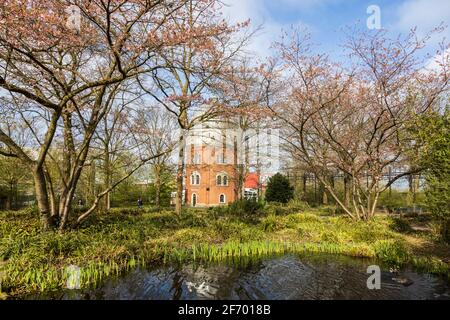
point(214, 153)
point(210, 173)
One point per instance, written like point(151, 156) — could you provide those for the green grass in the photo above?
point(114, 243)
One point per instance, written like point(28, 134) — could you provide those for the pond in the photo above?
point(288, 277)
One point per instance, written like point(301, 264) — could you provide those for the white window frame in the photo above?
point(194, 176)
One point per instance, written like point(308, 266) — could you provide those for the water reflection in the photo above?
point(282, 278)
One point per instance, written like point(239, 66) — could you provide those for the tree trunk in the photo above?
point(16, 196)
point(8, 205)
point(241, 183)
point(315, 188)
point(108, 200)
point(347, 190)
point(158, 186)
point(52, 198)
point(374, 204)
point(304, 183)
point(69, 192)
point(411, 183)
point(260, 186)
point(108, 180)
point(66, 207)
point(53, 207)
point(258, 163)
point(239, 174)
point(180, 175)
point(445, 230)
point(324, 197)
point(65, 203)
point(42, 198)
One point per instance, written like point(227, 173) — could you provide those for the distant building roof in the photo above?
point(251, 181)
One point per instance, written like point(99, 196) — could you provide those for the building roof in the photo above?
point(251, 181)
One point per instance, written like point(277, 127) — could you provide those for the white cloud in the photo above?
point(257, 11)
point(242, 10)
point(436, 62)
point(307, 4)
point(425, 15)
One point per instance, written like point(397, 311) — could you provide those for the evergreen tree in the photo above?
point(279, 189)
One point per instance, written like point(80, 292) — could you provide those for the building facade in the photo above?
point(217, 157)
point(210, 165)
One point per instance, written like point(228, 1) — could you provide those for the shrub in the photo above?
point(127, 211)
point(280, 209)
point(433, 131)
point(272, 223)
point(192, 219)
point(391, 251)
point(330, 237)
point(400, 225)
point(305, 233)
point(277, 209)
point(298, 206)
point(435, 230)
point(245, 207)
point(306, 217)
point(230, 229)
point(330, 210)
point(188, 235)
point(218, 211)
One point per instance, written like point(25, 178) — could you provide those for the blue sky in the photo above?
point(326, 18)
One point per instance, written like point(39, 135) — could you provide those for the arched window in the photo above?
point(222, 180)
point(195, 179)
point(222, 199)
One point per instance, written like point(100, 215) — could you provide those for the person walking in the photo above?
point(140, 203)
